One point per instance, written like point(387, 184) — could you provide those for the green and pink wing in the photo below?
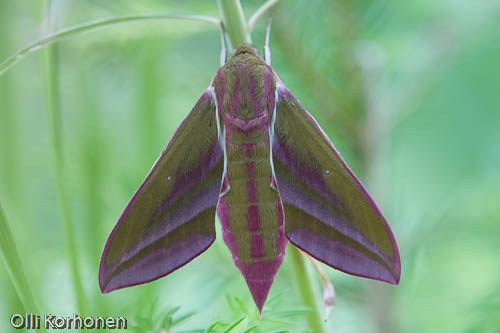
point(328, 212)
point(171, 218)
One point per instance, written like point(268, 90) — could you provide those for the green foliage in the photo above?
point(274, 316)
point(154, 320)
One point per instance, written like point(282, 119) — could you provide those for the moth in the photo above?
point(250, 152)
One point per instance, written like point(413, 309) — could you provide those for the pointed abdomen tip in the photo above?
point(259, 290)
point(259, 277)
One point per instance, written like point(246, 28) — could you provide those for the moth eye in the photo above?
point(169, 178)
point(327, 172)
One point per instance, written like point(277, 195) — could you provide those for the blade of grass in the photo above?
point(211, 327)
point(234, 324)
point(273, 299)
point(241, 305)
point(249, 329)
point(180, 319)
point(14, 266)
point(53, 109)
point(67, 32)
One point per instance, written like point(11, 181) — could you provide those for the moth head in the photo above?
point(244, 48)
point(246, 51)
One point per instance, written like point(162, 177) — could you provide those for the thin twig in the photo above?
point(54, 37)
point(259, 12)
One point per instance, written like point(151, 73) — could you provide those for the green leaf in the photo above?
point(182, 318)
point(234, 324)
point(211, 327)
point(249, 329)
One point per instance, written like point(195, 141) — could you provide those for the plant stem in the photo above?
point(306, 288)
point(14, 266)
point(56, 36)
point(55, 127)
point(234, 22)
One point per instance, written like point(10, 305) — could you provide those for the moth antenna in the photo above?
point(267, 50)
point(223, 44)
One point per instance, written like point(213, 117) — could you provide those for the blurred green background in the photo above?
point(409, 92)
